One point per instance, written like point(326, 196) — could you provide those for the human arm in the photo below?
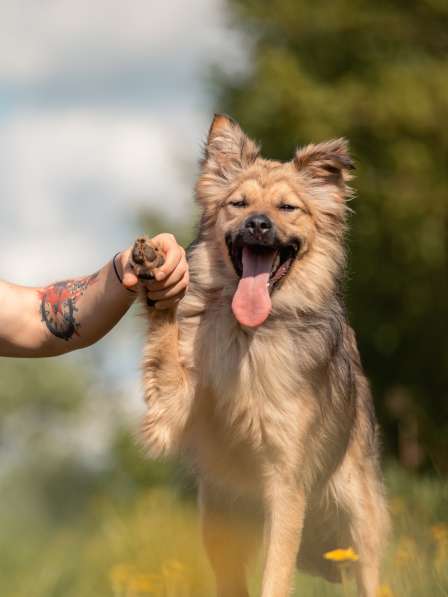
point(73, 314)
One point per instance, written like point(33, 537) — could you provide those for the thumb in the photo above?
point(129, 278)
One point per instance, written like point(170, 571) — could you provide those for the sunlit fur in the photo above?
point(277, 421)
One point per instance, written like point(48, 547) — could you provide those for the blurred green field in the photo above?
point(147, 543)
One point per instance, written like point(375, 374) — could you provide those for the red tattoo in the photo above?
point(58, 305)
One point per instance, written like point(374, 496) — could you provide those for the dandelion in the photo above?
point(341, 555)
point(343, 558)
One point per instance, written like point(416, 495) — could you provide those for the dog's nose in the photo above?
point(259, 226)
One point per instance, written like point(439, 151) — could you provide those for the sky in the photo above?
point(103, 109)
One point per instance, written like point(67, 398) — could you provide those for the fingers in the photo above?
point(169, 292)
point(174, 255)
point(129, 278)
point(173, 278)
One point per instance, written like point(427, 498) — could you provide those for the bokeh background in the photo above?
point(103, 109)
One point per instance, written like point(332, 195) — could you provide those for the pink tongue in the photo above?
point(251, 303)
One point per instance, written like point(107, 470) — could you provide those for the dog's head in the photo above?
point(268, 218)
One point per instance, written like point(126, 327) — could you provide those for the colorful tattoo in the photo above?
point(58, 305)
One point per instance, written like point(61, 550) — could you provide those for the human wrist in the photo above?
point(120, 264)
point(123, 260)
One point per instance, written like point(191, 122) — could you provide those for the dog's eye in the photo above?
point(288, 207)
point(238, 203)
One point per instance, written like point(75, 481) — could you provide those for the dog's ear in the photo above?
point(329, 161)
point(228, 150)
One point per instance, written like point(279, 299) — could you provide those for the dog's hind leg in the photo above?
point(361, 496)
point(230, 541)
point(167, 382)
point(369, 529)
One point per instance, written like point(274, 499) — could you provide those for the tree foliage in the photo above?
point(377, 73)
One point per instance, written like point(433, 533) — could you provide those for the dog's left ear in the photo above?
point(329, 161)
point(228, 149)
point(227, 152)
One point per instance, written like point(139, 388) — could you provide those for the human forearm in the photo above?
point(79, 312)
point(63, 316)
point(72, 314)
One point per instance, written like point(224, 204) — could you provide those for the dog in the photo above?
point(255, 379)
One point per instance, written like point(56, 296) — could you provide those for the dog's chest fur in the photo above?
point(248, 387)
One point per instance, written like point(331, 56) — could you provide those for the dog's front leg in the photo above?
point(167, 380)
point(230, 539)
point(285, 511)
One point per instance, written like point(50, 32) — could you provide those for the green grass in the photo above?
point(148, 544)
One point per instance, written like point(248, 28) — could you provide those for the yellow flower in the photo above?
point(385, 591)
point(341, 555)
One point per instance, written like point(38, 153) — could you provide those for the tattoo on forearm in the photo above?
point(58, 305)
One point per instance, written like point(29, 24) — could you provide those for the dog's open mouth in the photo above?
point(260, 268)
point(281, 258)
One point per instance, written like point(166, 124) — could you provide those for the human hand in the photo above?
point(170, 279)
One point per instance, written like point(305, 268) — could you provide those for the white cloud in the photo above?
point(72, 181)
point(42, 38)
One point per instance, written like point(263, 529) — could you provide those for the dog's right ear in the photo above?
point(227, 152)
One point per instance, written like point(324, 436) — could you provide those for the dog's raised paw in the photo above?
point(145, 258)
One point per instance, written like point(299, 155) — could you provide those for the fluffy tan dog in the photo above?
point(256, 379)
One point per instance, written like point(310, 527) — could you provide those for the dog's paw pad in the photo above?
point(145, 258)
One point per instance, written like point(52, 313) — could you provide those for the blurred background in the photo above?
point(103, 110)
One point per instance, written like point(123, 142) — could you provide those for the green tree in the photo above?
point(377, 73)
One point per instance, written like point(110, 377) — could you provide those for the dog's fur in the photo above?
point(277, 420)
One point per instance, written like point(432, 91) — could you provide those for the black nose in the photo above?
point(258, 226)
